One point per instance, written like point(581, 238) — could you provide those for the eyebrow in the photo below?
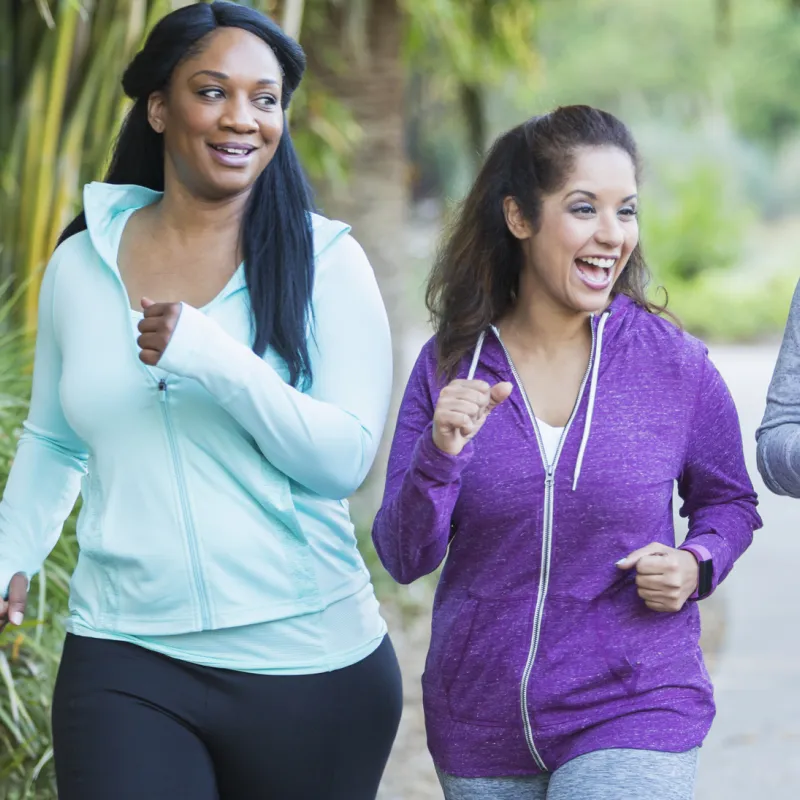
point(223, 77)
point(593, 196)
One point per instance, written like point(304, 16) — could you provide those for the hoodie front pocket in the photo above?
point(640, 645)
point(483, 684)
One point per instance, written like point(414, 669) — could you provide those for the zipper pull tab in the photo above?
point(550, 479)
point(162, 391)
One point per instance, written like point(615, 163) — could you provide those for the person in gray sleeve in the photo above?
point(779, 435)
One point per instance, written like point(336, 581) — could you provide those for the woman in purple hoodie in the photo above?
point(541, 435)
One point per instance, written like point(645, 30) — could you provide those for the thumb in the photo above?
point(631, 560)
point(17, 598)
point(499, 392)
point(147, 302)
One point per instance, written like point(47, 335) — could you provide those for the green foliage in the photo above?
point(474, 42)
point(696, 227)
point(725, 306)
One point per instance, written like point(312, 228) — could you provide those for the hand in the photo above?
point(666, 577)
point(461, 411)
point(157, 327)
point(13, 609)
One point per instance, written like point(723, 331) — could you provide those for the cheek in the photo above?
point(271, 129)
point(573, 234)
point(632, 237)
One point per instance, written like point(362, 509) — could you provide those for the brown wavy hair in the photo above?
point(475, 278)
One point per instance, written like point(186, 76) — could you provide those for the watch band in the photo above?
point(705, 563)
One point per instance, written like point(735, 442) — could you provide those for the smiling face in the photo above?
point(221, 115)
point(587, 231)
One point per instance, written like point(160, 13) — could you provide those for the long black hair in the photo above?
point(276, 237)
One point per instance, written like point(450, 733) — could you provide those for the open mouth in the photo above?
point(596, 272)
point(233, 150)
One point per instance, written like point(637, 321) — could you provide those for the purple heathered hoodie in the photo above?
point(541, 649)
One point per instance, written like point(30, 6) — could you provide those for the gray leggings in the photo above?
point(602, 775)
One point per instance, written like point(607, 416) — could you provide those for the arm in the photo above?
point(325, 439)
point(45, 477)
point(718, 496)
point(779, 435)
point(411, 531)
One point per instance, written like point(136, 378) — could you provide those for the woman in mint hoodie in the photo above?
point(541, 435)
point(213, 371)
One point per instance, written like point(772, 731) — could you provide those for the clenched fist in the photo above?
point(156, 329)
point(462, 409)
point(665, 576)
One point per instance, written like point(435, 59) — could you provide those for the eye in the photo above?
point(583, 209)
point(266, 101)
point(629, 211)
point(212, 93)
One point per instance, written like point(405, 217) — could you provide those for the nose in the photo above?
point(610, 232)
point(237, 115)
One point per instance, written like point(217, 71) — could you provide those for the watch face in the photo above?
point(705, 577)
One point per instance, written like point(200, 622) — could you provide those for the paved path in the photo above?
point(753, 751)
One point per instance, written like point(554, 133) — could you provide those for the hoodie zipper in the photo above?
point(547, 535)
point(191, 535)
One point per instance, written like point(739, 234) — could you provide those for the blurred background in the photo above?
point(401, 99)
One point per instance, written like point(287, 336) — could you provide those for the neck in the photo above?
point(544, 325)
point(191, 220)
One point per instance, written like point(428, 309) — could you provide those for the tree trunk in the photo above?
point(359, 62)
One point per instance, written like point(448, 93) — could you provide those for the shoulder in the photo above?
point(333, 243)
point(69, 256)
point(666, 346)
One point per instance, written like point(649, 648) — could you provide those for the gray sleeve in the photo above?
point(779, 435)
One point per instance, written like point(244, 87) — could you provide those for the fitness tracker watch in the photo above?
point(706, 569)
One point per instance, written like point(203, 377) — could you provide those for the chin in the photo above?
point(230, 187)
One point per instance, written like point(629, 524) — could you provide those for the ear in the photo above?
point(157, 111)
point(515, 219)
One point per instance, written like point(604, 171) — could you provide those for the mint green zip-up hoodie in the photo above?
point(213, 491)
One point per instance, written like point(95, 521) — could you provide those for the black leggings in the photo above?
point(130, 724)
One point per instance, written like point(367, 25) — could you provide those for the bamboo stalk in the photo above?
point(68, 187)
point(67, 25)
point(292, 18)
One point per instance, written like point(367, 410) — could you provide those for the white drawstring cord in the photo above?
point(476, 356)
point(592, 394)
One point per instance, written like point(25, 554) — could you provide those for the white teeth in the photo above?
point(605, 263)
point(233, 151)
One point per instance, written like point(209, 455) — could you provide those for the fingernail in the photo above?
point(621, 562)
point(15, 617)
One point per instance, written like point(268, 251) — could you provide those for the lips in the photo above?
point(233, 149)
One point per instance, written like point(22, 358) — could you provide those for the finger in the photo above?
point(653, 596)
point(150, 324)
point(453, 419)
point(654, 605)
point(150, 357)
point(478, 386)
point(499, 393)
point(480, 399)
point(649, 582)
point(152, 341)
point(657, 564)
point(472, 410)
point(152, 309)
point(17, 598)
point(651, 549)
